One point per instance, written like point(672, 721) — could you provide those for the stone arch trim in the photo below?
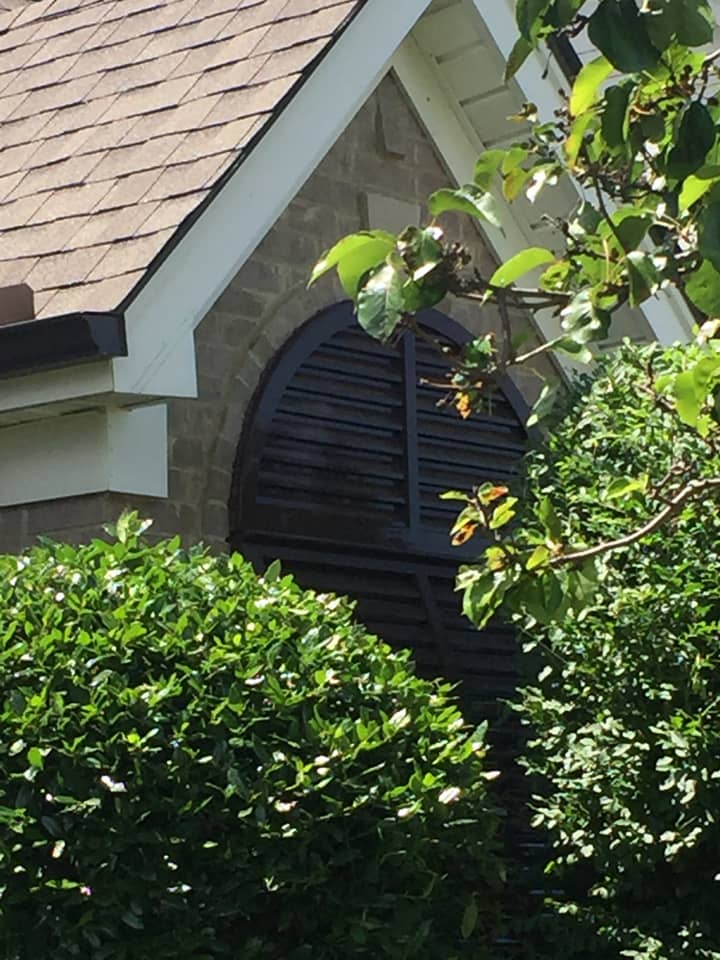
point(277, 327)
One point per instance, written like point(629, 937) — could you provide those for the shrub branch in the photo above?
point(694, 490)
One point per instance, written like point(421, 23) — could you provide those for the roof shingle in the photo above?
point(118, 117)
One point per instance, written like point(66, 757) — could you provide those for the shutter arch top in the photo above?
point(343, 445)
point(338, 472)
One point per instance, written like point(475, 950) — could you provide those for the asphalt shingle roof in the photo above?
point(117, 119)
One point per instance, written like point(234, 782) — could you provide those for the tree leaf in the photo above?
point(585, 91)
point(469, 920)
point(453, 495)
point(576, 136)
point(514, 268)
point(642, 275)
point(614, 123)
point(521, 50)
point(512, 159)
point(695, 137)
point(709, 235)
point(538, 558)
point(355, 255)
point(586, 221)
point(513, 182)
point(689, 22)
point(503, 514)
point(380, 303)
point(486, 166)
point(691, 388)
point(630, 228)
point(703, 289)
point(544, 404)
point(576, 350)
point(696, 186)
point(696, 25)
point(624, 486)
point(687, 402)
point(528, 16)
point(583, 320)
point(618, 30)
point(466, 199)
point(550, 520)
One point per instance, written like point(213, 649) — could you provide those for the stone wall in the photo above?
point(384, 153)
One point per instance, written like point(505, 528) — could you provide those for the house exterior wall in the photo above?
point(384, 153)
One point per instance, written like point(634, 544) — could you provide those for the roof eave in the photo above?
point(66, 340)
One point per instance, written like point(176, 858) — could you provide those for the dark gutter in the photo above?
point(55, 342)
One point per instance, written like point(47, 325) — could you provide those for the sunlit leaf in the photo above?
point(696, 186)
point(469, 199)
point(624, 487)
point(538, 558)
point(355, 254)
point(586, 89)
point(522, 263)
point(380, 303)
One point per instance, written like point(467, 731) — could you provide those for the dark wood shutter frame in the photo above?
point(338, 473)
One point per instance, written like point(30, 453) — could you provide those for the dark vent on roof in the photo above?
point(17, 304)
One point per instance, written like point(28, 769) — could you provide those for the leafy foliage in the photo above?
point(624, 710)
point(610, 561)
point(644, 148)
point(196, 762)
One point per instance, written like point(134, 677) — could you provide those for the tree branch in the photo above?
point(692, 491)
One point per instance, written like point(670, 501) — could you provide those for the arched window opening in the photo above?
point(338, 474)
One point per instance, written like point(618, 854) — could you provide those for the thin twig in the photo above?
point(604, 209)
point(536, 351)
point(506, 329)
point(520, 297)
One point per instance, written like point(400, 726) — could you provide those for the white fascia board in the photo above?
point(539, 79)
point(186, 285)
point(115, 450)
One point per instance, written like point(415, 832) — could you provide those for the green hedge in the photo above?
point(197, 763)
point(626, 706)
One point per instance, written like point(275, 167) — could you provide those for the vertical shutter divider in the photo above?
point(411, 437)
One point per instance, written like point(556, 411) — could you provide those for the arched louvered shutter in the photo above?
point(338, 475)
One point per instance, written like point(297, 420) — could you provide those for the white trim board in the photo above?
point(116, 450)
point(185, 286)
point(23, 396)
